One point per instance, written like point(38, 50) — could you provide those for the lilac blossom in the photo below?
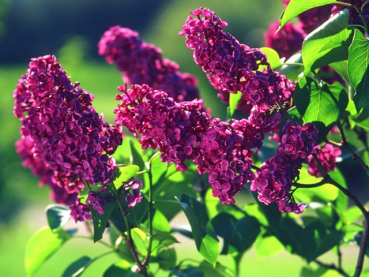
point(181, 132)
point(132, 190)
point(143, 63)
point(327, 156)
point(275, 179)
point(287, 41)
point(233, 67)
point(68, 141)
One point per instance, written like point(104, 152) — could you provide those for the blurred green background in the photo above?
point(71, 30)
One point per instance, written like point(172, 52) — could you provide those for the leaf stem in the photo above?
point(333, 267)
point(128, 239)
point(362, 19)
point(150, 215)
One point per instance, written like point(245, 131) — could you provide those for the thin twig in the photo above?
point(333, 267)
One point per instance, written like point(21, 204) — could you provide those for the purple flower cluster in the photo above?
point(67, 140)
point(142, 63)
point(287, 41)
point(233, 67)
point(182, 131)
point(274, 180)
point(327, 156)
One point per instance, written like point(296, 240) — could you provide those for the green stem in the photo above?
point(362, 19)
point(333, 267)
point(344, 4)
point(150, 215)
point(285, 112)
point(128, 239)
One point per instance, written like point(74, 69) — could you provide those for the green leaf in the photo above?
point(123, 174)
point(160, 222)
point(268, 246)
point(358, 71)
point(41, 246)
point(315, 240)
point(238, 235)
point(173, 184)
point(166, 258)
point(57, 216)
point(76, 268)
point(160, 240)
point(318, 103)
point(218, 271)
point(327, 44)
point(120, 269)
point(206, 241)
point(292, 71)
point(273, 57)
point(214, 207)
point(136, 157)
point(101, 221)
point(341, 68)
point(188, 272)
point(234, 98)
point(362, 118)
point(296, 7)
point(140, 238)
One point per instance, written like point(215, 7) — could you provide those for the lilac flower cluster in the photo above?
point(233, 67)
point(274, 180)
point(142, 63)
point(68, 141)
point(287, 41)
point(327, 156)
point(182, 131)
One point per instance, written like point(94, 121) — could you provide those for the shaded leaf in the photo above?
point(100, 221)
point(328, 43)
point(292, 71)
point(205, 239)
point(120, 269)
point(136, 157)
point(57, 216)
point(76, 268)
point(358, 72)
point(41, 246)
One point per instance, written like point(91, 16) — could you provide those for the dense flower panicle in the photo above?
point(225, 153)
point(232, 66)
point(327, 156)
point(274, 180)
point(182, 132)
point(172, 128)
point(313, 18)
point(26, 150)
point(68, 135)
point(287, 41)
point(142, 63)
point(67, 140)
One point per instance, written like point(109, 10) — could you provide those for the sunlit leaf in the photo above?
point(234, 98)
point(358, 71)
point(329, 43)
point(100, 221)
point(41, 246)
point(296, 7)
point(123, 174)
point(272, 56)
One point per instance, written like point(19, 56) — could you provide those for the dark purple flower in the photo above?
point(68, 141)
point(142, 63)
point(233, 67)
point(327, 156)
point(287, 41)
point(274, 180)
point(181, 132)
